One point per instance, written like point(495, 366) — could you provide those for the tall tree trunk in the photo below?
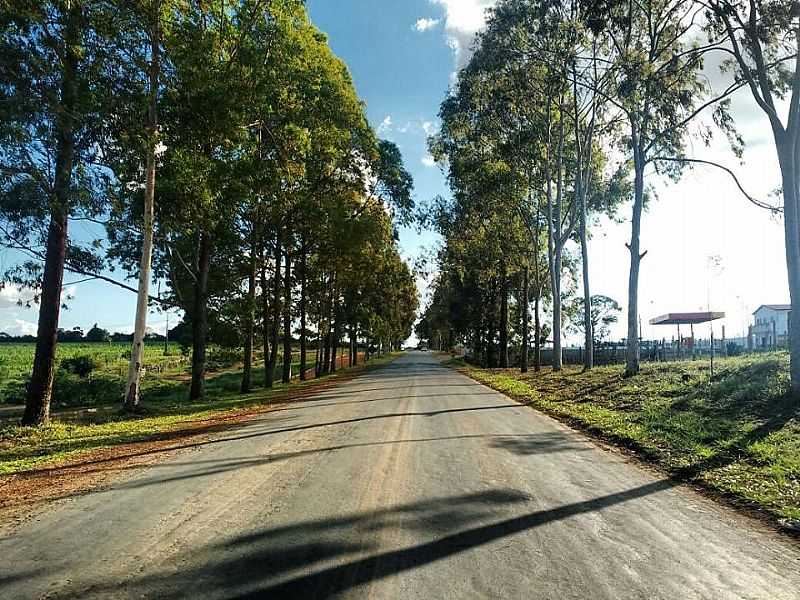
point(583, 156)
point(265, 316)
point(276, 312)
point(200, 319)
point(326, 350)
point(326, 354)
point(40, 388)
point(318, 357)
point(588, 355)
point(537, 281)
point(350, 346)
point(477, 336)
point(140, 327)
point(537, 332)
point(557, 316)
point(504, 317)
point(287, 318)
point(337, 330)
point(632, 351)
point(788, 158)
point(354, 344)
point(303, 309)
point(555, 243)
point(526, 317)
point(250, 325)
point(491, 349)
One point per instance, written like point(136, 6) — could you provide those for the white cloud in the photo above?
point(9, 296)
point(19, 327)
point(463, 19)
point(418, 127)
point(428, 161)
point(423, 25)
point(386, 125)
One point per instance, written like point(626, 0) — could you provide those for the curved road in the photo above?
point(410, 482)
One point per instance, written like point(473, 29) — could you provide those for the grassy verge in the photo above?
point(737, 435)
point(28, 449)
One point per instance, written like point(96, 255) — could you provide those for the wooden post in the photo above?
point(680, 344)
point(712, 351)
point(691, 330)
point(774, 335)
point(724, 342)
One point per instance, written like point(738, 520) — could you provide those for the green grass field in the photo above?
point(111, 361)
point(737, 434)
point(164, 372)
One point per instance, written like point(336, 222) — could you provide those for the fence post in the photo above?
point(724, 342)
point(712, 352)
point(774, 335)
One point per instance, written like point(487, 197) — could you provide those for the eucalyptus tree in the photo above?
point(216, 65)
point(153, 19)
point(516, 97)
point(655, 70)
point(761, 40)
point(132, 144)
point(486, 182)
point(51, 108)
point(526, 52)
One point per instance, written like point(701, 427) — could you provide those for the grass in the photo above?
point(737, 435)
point(166, 410)
point(163, 373)
point(111, 360)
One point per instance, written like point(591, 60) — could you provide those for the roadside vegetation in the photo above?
point(83, 369)
point(92, 374)
point(166, 413)
point(216, 149)
point(571, 112)
point(737, 434)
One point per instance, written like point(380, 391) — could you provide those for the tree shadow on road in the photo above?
point(520, 444)
point(324, 558)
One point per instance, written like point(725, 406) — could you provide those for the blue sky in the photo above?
point(401, 71)
point(403, 54)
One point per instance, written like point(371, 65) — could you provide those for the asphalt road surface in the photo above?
point(409, 482)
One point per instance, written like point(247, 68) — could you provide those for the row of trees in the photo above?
point(223, 148)
point(571, 109)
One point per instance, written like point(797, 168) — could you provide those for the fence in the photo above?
point(613, 353)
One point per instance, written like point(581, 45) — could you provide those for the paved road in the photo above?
point(410, 482)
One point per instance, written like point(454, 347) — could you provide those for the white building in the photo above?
point(771, 326)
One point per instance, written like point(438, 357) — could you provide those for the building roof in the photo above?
point(776, 307)
point(693, 318)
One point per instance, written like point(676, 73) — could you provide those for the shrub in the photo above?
point(734, 349)
point(73, 390)
point(222, 358)
point(82, 366)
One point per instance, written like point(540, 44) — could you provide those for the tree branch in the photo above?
point(755, 201)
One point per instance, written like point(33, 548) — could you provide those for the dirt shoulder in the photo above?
point(68, 474)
